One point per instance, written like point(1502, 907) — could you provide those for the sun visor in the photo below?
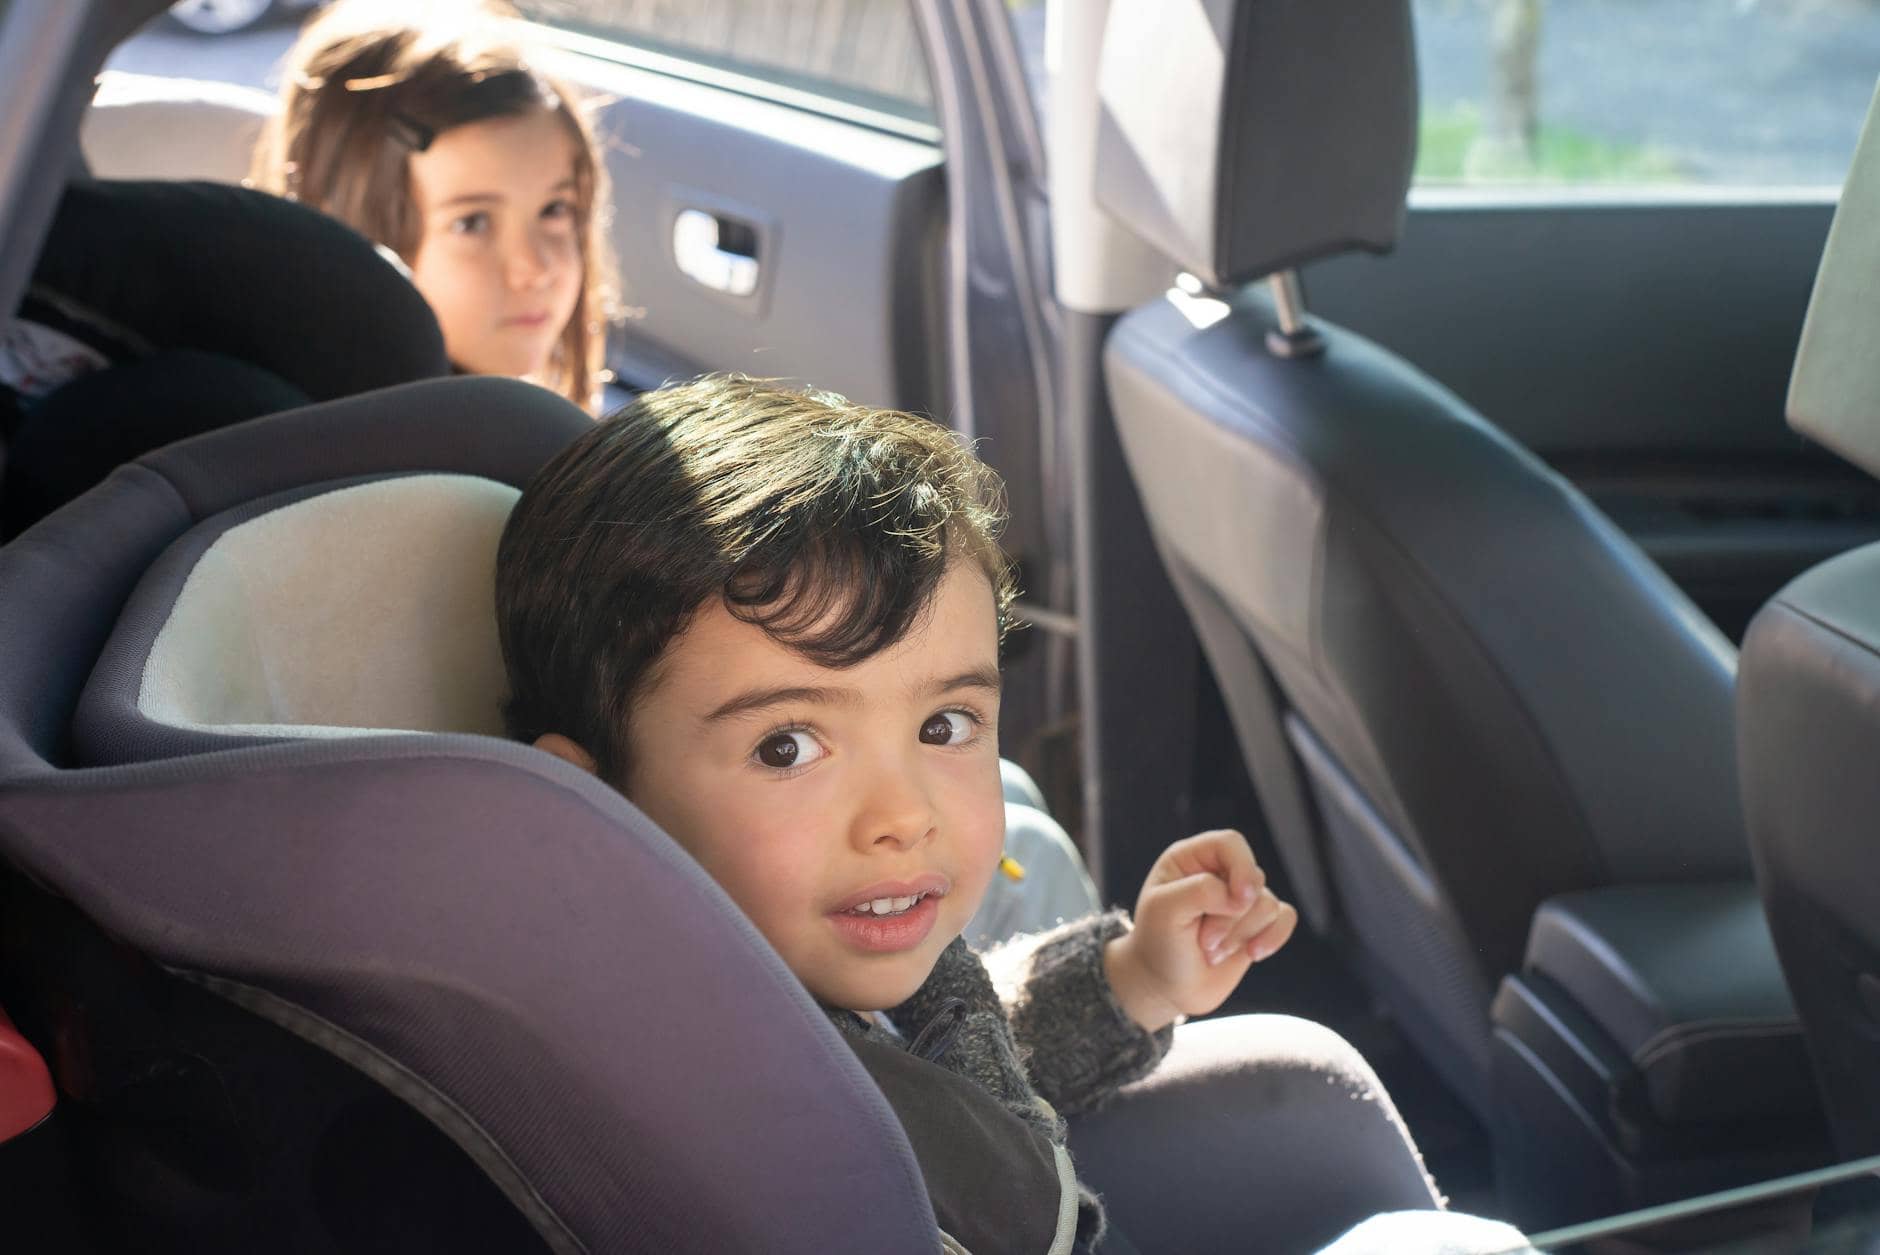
point(1834, 395)
point(1244, 137)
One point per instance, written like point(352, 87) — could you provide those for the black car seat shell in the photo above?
point(1808, 698)
point(461, 918)
point(195, 305)
point(1485, 694)
point(184, 264)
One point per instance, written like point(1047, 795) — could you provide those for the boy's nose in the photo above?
point(898, 814)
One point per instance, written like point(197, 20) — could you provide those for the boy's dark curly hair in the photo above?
point(827, 524)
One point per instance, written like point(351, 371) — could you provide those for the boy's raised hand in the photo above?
point(1204, 916)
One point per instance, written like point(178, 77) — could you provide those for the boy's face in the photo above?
point(821, 798)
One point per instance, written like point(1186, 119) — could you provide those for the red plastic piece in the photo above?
point(26, 1094)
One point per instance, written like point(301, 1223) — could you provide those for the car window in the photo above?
point(866, 53)
point(1738, 93)
point(1671, 93)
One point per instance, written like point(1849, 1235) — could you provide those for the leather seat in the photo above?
point(1460, 689)
point(1808, 701)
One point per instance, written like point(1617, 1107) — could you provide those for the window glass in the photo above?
point(1754, 93)
point(865, 52)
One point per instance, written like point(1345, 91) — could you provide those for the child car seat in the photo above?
point(500, 941)
point(161, 309)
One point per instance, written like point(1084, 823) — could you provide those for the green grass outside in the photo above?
point(1562, 155)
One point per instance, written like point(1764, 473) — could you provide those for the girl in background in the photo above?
point(426, 129)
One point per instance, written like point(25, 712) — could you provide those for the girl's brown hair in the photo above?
point(369, 83)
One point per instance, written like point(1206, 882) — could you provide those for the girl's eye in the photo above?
point(559, 210)
point(949, 727)
point(471, 224)
point(785, 750)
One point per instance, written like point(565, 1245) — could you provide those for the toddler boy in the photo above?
point(772, 620)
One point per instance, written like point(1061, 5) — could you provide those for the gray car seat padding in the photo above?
point(572, 992)
point(371, 606)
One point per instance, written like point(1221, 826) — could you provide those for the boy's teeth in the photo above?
point(888, 906)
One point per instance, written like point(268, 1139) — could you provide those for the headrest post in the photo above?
point(1295, 337)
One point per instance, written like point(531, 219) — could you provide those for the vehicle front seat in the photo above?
point(1478, 694)
point(1808, 697)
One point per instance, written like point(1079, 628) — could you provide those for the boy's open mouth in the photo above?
point(886, 906)
point(891, 915)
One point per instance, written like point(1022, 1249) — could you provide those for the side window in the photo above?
point(1735, 93)
point(861, 52)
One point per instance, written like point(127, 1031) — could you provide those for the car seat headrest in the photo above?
point(1834, 394)
point(493, 432)
point(291, 290)
point(1246, 137)
point(147, 126)
point(370, 607)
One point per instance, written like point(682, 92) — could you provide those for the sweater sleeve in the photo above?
point(1080, 1046)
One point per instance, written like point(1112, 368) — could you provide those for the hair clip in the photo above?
point(410, 132)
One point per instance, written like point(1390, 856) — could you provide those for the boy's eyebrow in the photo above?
point(761, 699)
point(977, 678)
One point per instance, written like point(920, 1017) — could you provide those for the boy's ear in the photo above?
point(561, 747)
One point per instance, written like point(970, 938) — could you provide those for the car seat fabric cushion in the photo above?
point(287, 625)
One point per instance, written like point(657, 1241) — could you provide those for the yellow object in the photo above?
point(1013, 869)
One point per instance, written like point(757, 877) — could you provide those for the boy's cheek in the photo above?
point(986, 845)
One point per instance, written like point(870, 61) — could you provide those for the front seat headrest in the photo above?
point(1834, 394)
point(1246, 137)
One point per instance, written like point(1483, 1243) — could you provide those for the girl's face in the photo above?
point(499, 249)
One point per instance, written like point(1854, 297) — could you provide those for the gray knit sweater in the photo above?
point(1040, 1023)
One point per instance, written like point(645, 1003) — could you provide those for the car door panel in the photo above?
point(845, 222)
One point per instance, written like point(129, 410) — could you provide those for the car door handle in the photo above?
point(716, 251)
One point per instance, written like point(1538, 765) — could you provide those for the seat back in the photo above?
point(499, 942)
point(1485, 692)
point(1808, 698)
point(145, 126)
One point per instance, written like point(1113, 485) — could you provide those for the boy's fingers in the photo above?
point(1191, 897)
point(1274, 935)
point(1225, 853)
point(1244, 877)
point(1236, 933)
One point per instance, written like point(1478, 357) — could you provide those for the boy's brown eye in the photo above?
point(939, 729)
point(778, 751)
